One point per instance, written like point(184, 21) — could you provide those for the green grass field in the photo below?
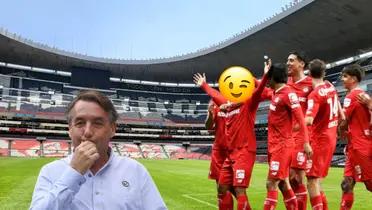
point(182, 183)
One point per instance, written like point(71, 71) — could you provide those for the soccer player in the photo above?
point(358, 166)
point(283, 111)
point(322, 115)
point(216, 121)
point(302, 85)
point(241, 139)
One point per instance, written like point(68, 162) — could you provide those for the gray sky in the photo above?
point(133, 29)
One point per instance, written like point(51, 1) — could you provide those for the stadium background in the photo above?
point(161, 111)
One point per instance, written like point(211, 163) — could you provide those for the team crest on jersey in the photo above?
point(306, 89)
point(274, 167)
point(347, 102)
point(240, 175)
point(277, 99)
point(300, 158)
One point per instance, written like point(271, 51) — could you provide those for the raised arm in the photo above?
point(200, 80)
point(256, 96)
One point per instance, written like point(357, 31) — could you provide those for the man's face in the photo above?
point(89, 122)
point(295, 66)
point(348, 80)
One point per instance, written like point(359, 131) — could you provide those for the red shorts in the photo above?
point(362, 164)
point(218, 156)
point(320, 161)
point(237, 168)
point(298, 159)
point(279, 163)
point(350, 170)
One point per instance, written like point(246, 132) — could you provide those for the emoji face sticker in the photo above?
point(236, 84)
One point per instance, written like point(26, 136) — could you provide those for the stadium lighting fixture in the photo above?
point(2, 64)
point(42, 70)
point(166, 102)
point(16, 66)
point(366, 55)
point(1, 86)
point(198, 103)
point(114, 79)
point(51, 92)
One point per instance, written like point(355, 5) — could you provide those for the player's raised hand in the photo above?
point(85, 155)
point(199, 79)
point(267, 66)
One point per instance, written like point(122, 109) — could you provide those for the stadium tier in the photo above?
point(155, 121)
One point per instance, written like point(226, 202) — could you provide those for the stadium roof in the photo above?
point(325, 29)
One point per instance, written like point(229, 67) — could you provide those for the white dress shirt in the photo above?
point(122, 183)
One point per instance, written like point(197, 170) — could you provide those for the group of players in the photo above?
point(304, 117)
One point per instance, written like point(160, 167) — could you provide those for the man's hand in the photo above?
point(308, 150)
point(84, 157)
point(199, 79)
point(267, 66)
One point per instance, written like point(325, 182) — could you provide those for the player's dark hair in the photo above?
point(93, 96)
point(301, 56)
point(317, 68)
point(354, 70)
point(278, 73)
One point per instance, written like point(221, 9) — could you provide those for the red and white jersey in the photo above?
point(302, 88)
point(280, 119)
point(358, 117)
point(322, 105)
point(239, 125)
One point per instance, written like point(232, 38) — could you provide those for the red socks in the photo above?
point(225, 201)
point(347, 201)
point(324, 201)
point(316, 202)
point(243, 203)
point(301, 194)
point(271, 200)
point(290, 200)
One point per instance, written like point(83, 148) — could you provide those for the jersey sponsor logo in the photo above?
point(310, 104)
point(229, 114)
point(300, 158)
point(125, 183)
point(347, 102)
point(274, 167)
point(325, 91)
point(221, 114)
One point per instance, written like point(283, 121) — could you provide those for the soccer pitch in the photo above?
point(182, 183)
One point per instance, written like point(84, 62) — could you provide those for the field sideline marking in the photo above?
point(200, 201)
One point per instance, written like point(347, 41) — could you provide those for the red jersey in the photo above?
point(219, 127)
point(358, 117)
point(240, 120)
point(284, 109)
point(302, 88)
point(323, 107)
